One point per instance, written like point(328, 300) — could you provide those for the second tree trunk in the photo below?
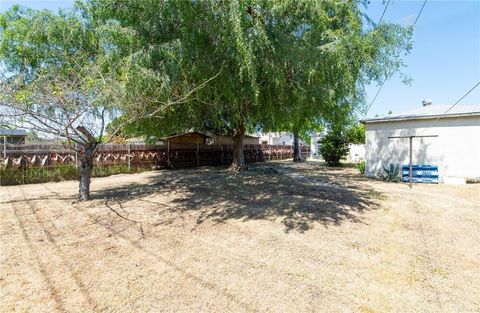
point(86, 167)
point(238, 156)
point(297, 157)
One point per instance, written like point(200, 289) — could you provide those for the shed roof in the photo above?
point(12, 132)
point(188, 133)
point(429, 112)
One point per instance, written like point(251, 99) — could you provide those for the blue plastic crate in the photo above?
point(421, 173)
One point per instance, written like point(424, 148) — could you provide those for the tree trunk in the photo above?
point(238, 156)
point(86, 167)
point(297, 157)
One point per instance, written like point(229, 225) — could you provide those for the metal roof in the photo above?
point(430, 111)
point(12, 132)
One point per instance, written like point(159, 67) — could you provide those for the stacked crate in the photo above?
point(420, 173)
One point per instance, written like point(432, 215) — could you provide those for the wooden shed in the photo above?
point(13, 136)
point(186, 138)
point(228, 140)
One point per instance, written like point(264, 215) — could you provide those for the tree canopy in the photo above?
point(231, 67)
point(281, 66)
point(68, 74)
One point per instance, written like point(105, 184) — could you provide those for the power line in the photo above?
point(384, 10)
point(381, 86)
point(419, 13)
point(461, 98)
point(449, 109)
point(374, 98)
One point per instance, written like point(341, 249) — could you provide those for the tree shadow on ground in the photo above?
point(298, 195)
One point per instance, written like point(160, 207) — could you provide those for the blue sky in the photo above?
point(443, 64)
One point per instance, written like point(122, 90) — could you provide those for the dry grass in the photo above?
point(277, 238)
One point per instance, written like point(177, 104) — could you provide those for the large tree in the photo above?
point(68, 75)
point(281, 66)
point(269, 65)
point(326, 52)
point(208, 39)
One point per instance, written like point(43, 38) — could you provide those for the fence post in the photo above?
point(168, 153)
point(221, 154)
point(4, 147)
point(129, 157)
point(197, 155)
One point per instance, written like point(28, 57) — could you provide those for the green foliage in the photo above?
point(290, 65)
point(85, 66)
point(356, 134)
point(391, 173)
point(361, 167)
point(334, 147)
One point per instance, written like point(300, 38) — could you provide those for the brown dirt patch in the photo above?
point(277, 238)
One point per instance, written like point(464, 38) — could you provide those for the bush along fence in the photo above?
point(23, 164)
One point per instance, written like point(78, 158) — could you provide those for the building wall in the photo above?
point(188, 138)
point(356, 152)
point(222, 140)
point(251, 141)
point(456, 150)
point(14, 140)
point(227, 140)
point(314, 145)
point(280, 138)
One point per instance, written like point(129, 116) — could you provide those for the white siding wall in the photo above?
point(278, 139)
point(456, 150)
point(356, 152)
point(282, 139)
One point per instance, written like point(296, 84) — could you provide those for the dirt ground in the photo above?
point(276, 238)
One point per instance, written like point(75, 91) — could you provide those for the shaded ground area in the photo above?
point(278, 237)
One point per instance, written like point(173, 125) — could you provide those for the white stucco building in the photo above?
point(456, 150)
point(279, 138)
point(356, 152)
point(314, 144)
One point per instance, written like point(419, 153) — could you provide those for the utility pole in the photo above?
point(410, 139)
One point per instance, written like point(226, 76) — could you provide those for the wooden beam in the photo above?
point(410, 153)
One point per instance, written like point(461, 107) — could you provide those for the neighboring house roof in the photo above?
point(430, 112)
point(230, 136)
point(135, 140)
point(12, 132)
point(188, 133)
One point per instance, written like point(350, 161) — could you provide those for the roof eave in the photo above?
point(187, 133)
point(426, 117)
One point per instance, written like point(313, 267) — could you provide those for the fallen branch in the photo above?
point(124, 217)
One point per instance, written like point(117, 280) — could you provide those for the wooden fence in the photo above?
point(160, 156)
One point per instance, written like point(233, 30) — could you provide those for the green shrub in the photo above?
point(390, 173)
point(334, 147)
point(361, 167)
point(356, 134)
